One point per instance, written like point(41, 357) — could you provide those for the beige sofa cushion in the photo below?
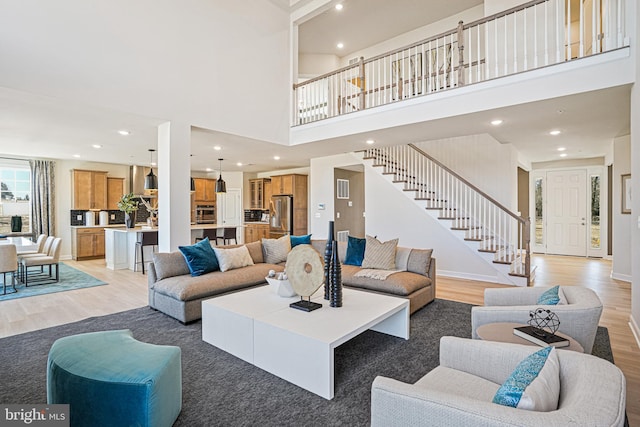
point(170, 264)
point(402, 283)
point(187, 288)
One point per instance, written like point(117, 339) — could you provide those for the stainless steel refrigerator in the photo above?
point(281, 220)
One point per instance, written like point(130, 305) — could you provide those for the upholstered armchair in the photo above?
point(578, 318)
point(460, 391)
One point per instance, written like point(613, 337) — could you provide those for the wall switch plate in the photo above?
point(113, 216)
point(317, 215)
point(79, 217)
point(350, 203)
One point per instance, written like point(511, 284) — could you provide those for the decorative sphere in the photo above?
point(545, 319)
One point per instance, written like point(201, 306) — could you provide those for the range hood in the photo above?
point(136, 181)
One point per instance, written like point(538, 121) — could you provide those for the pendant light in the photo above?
point(151, 181)
point(221, 186)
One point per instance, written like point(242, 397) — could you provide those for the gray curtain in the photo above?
point(43, 190)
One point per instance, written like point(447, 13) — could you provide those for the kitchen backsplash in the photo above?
point(115, 217)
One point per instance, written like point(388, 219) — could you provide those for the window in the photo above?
point(539, 237)
point(595, 212)
point(15, 195)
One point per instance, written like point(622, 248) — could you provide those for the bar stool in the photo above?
point(211, 233)
point(144, 238)
point(228, 233)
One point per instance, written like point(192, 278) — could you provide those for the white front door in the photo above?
point(567, 212)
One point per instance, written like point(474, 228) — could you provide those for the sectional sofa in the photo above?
point(173, 291)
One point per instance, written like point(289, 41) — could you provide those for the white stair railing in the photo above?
point(529, 36)
point(483, 219)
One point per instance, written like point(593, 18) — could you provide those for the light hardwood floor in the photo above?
point(128, 290)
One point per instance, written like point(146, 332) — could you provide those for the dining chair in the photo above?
point(40, 242)
point(52, 259)
point(8, 264)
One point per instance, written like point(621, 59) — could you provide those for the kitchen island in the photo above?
point(120, 243)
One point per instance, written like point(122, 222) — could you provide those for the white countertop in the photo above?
point(138, 228)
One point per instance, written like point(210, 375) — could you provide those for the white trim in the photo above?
point(635, 329)
point(622, 277)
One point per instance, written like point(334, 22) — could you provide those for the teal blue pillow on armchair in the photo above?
point(200, 257)
point(355, 251)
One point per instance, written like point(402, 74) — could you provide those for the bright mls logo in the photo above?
point(34, 415)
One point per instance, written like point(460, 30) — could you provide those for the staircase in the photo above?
point(500, 237)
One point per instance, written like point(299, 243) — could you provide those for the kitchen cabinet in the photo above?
point(260, 192)
point(115, 190)
point(205, 190)
point(87, 243)
point(89, 189)
point(296, 185)
point(283, 184)
point(255, 232)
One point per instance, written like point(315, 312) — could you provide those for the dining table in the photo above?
point(22, 243)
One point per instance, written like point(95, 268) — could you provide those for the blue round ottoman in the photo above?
point(110, 379)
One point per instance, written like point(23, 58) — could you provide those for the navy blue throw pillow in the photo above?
point(200, 257)
point(355, 251)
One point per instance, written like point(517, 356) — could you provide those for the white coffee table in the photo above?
point(259, 327)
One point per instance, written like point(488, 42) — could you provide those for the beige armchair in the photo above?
point(578, 319)
point(51, 259)
point(460, 391)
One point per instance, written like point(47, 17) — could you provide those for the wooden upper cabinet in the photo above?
point(115, 190)
point(89, 189)
point(205, 190)
point(282, 184)
point(258, 191)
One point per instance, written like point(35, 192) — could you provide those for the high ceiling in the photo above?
point(33, 125)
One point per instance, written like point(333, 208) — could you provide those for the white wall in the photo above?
point(418, 34)
point(622, 224)
point(390, 214)
point(221, 65)
point(482, 160)
point(311, 65)
point(633, 15)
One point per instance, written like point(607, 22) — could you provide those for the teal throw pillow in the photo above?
point(534, 385)
point(200, 257)
point(550, 297)
point(300, 240)
point(355, 251)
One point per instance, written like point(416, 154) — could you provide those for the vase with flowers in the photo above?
point(129, 206)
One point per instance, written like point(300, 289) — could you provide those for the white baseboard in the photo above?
point(621, 277)
point(65, 257)
point(635, 329)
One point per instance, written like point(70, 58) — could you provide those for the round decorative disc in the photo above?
point(305, 270)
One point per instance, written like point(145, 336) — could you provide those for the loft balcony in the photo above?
point(566, 43)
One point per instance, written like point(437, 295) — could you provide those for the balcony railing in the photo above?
point(530, 36)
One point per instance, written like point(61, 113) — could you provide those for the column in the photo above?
point(174, 197)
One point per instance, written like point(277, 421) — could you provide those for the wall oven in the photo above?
point(205, 214)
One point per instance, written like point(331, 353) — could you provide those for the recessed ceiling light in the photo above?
point(496, 122)
point(276, 157)
point(217, 148)
point(209, 170)
point(340, 45)
point(563, 155)
point(339, 6)
point(561, 148)
point(76, 155)
point(124, 132)
point(370, 141)
point(238, 164)
point(97, 146)
point(554, 132)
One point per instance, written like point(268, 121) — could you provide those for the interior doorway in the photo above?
point(349, 202)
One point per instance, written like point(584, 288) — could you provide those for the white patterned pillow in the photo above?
point(378, 255)
point(233, 258)
point(276, 250)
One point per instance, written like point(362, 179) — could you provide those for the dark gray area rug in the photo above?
point(221, 390)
